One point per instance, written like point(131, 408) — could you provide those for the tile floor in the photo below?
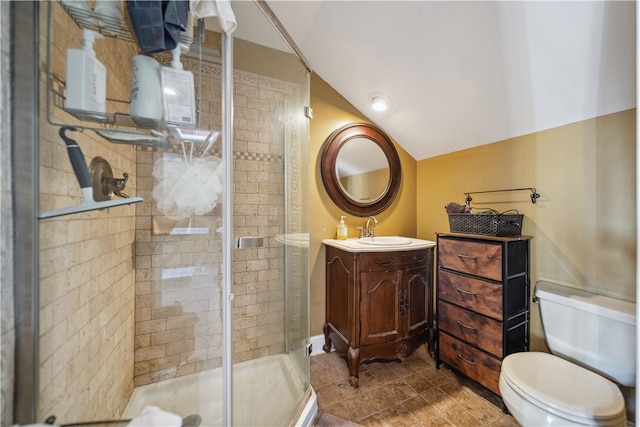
point(412, 393)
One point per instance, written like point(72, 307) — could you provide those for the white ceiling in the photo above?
point(463, 74)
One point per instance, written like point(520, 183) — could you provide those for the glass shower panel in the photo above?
point(270, 283)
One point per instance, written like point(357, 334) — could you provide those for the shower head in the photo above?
point(84, 179)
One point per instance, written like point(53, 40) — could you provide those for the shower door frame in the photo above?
point(24, 23)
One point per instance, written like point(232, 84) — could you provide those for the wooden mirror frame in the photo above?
point(330, 150)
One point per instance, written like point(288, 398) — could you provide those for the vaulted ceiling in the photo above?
point(462, 74)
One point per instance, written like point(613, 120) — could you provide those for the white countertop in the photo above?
point(354, 245)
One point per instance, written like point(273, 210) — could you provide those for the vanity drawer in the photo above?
point(478, 295)
point(391, 260)
point(478, 258)
point(471, 327)
point(474, 363)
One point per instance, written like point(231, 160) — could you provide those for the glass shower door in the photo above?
point(270, 283)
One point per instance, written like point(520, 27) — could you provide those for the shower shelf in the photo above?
point(114, 125)
point(107, 26)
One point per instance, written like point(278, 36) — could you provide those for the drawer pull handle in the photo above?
point(462, 291)
point(376, 261)
point(471, 362)
point(467, 326)
point(467, 256)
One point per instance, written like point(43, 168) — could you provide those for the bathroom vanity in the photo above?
point(482, 299)
point(378, 299)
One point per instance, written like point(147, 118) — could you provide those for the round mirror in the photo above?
point(360, 169)
point(362, 181)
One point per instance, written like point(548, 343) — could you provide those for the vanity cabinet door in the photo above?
point(379, 307)
point(415, 301)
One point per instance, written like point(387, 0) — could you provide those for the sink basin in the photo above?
point(384, 241)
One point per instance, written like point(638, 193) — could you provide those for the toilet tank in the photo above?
point(595, 331)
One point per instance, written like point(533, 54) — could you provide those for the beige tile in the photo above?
point(412, 393)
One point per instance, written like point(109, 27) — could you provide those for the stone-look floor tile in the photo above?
point(441, 376)
point(398, 416)
point(438, 421)
point(372, 366)
point(412, 393)
point(384, 375)
point(375, 420)
point(401, 369)
point(401, 390)
point(380, 398)
point(359, 407)
point(438, 399)
point(457, 390)
point(419, 363)
point(481, 409)
point(420, 409)
point(461, 418)
point(504, 421)
point(325, 395)
point(339, 410)
point(419, 383)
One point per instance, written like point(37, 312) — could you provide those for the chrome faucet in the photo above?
point(369, 230)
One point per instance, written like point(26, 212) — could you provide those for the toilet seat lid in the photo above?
point(563, 388)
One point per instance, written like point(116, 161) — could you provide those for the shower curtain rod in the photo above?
point(534, 194)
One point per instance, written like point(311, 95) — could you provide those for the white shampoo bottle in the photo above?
point(86, 79)
point(178, 92)
point(146, 92)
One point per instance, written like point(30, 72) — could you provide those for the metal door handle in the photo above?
point(249, 242)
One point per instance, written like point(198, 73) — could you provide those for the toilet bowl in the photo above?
point(541, 389)
point(593, 350)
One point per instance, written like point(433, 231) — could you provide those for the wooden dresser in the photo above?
point(482, 299)
point(378, 303)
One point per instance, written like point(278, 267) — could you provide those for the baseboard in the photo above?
point(317, 342)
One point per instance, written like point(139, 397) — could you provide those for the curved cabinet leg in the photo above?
point(353, 359)
point(327, 339)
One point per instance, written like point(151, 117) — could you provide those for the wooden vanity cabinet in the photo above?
point(378, 304)
point(482, 303)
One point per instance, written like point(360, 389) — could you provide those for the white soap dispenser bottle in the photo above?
point(178, 92)
point(342, 230)
point(86, 79)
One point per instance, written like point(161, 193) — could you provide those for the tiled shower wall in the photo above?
point(124, 302)
point(178, 287)
point(86, 270)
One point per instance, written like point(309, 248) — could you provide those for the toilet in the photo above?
point(592, 339)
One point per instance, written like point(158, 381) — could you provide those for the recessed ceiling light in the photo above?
point(379, 102)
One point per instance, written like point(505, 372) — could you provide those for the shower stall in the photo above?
point(194, 299)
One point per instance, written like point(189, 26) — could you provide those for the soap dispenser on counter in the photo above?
point(342, 230)
point(86, 80)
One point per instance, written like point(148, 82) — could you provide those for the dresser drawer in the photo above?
point(475, 294)
point(391, 260)
point(478, 258)
point(471, 327)
point(470, 361)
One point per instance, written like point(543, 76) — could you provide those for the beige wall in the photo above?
point(331, 111)
point(584, 223)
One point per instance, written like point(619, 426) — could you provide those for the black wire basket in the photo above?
point(489, 223)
